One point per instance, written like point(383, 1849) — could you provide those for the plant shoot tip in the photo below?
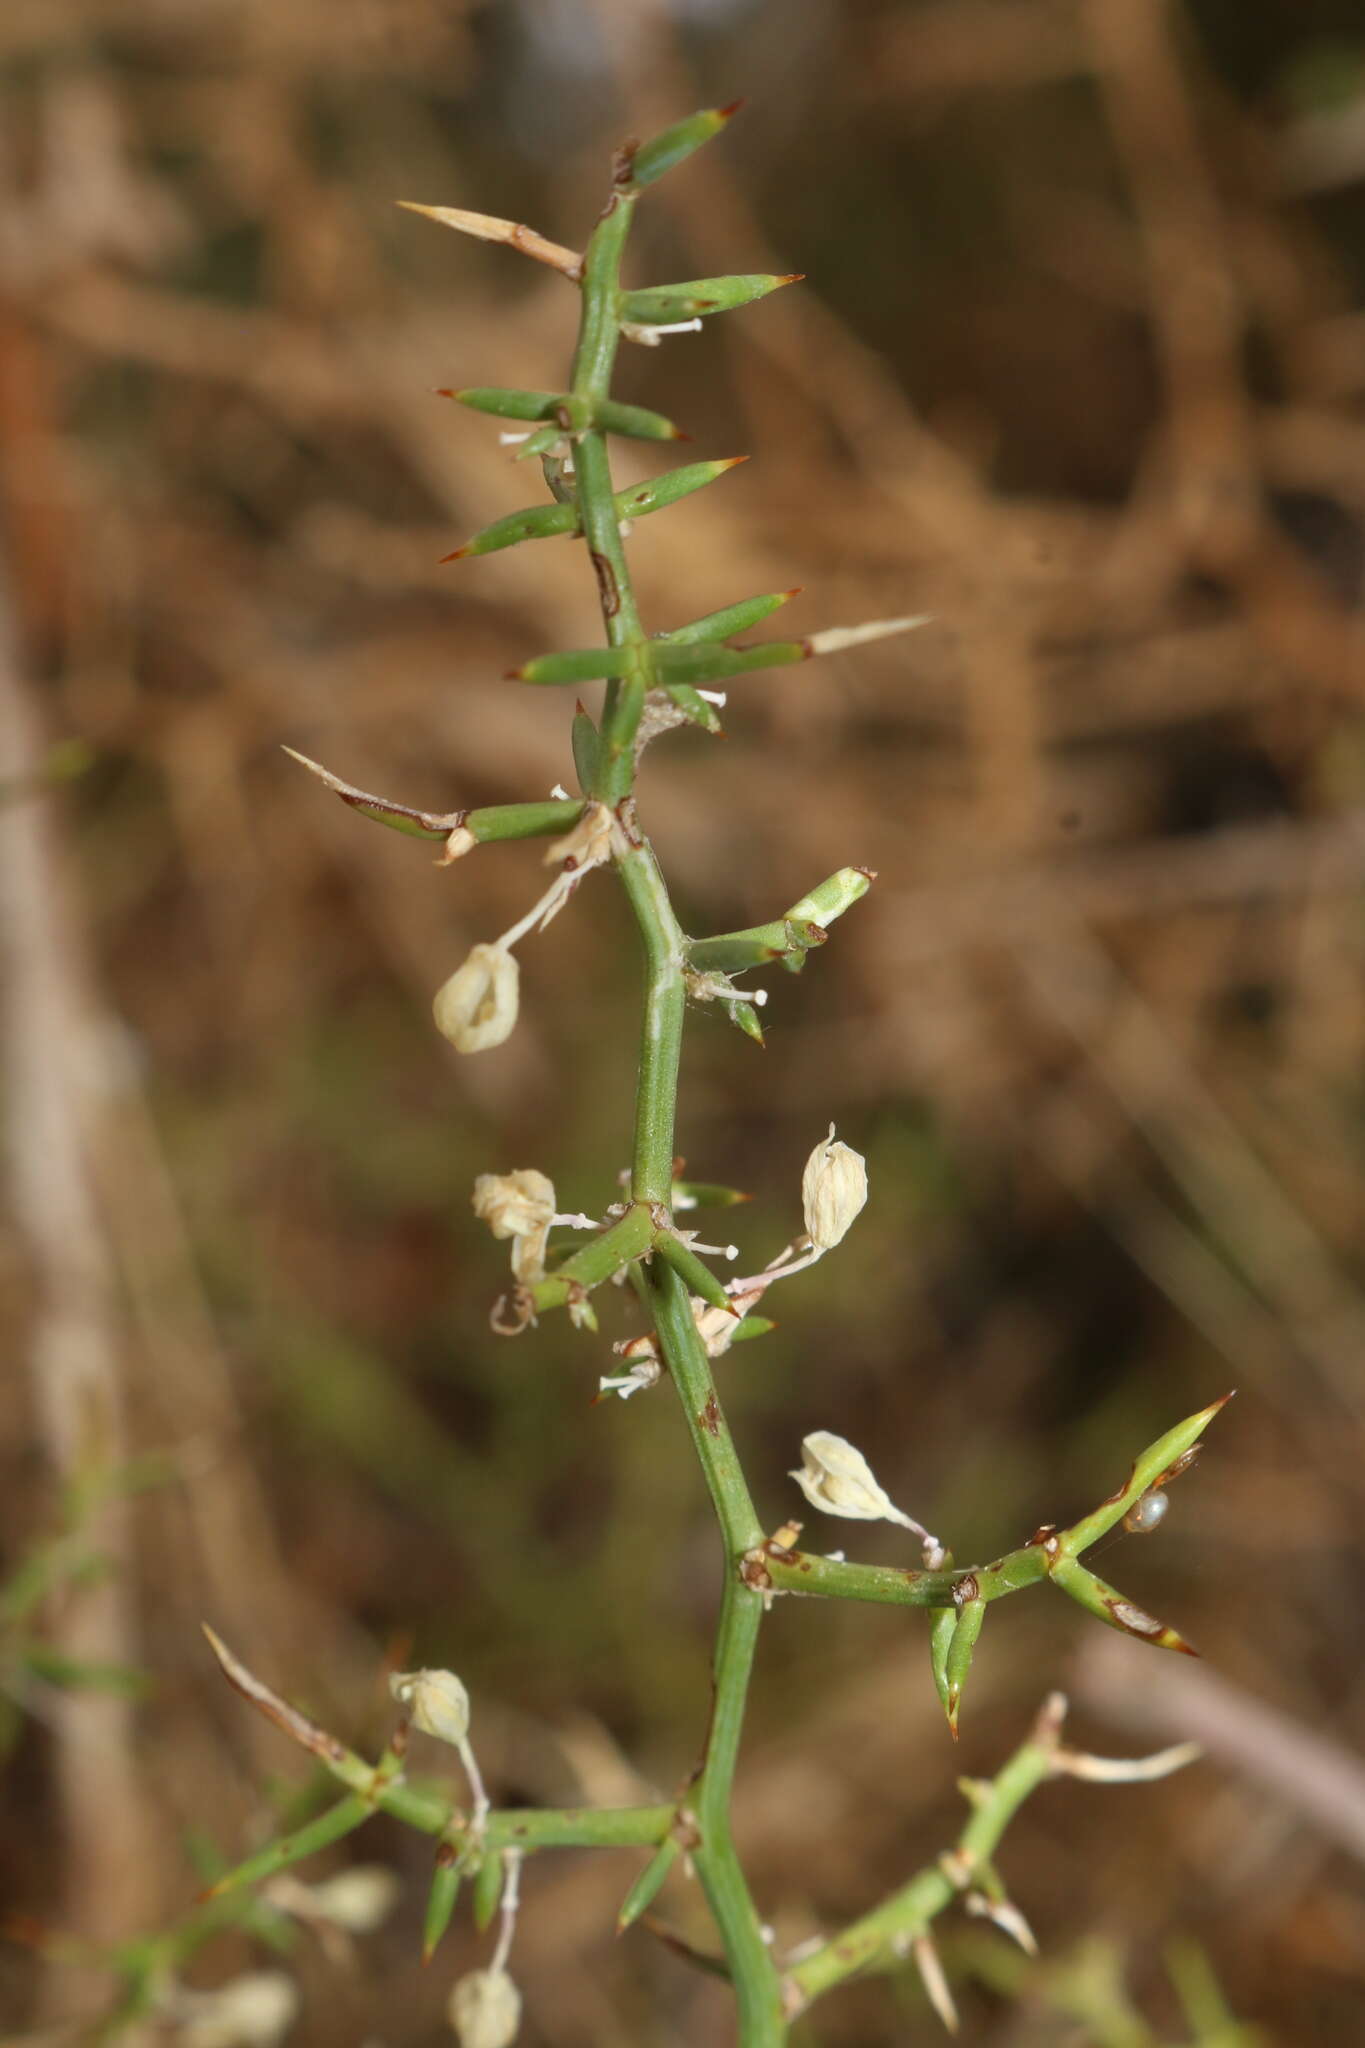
point(457, 556)
point(728, 113)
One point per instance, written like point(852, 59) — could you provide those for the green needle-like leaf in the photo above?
point(535, 522)
point(548, 522)
point(732, 618)
point(576, 665)
point(732, 952)
point(694, 707)
point(642, 163)
point(832, 897)
point(706, 663)
point(487, 1889)
point(636, 422)
point(971, 1616)
point(645, 1889)
point(1149, 1470)
point(942, 1624)
point(445, 1890)
point(511, 405)
point(1111, 1607)
point(674, 484)
point(702, 1194)
point(660, 305)
point(746, 1019)
point(587, 752)
point(698, 1277)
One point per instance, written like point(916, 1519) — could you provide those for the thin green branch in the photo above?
point(882, 1938)
point(661, 1029)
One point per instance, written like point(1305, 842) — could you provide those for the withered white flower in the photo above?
point(485, 2009)
point(519, 1205)
point(833, 1191)
point(458, 843)
point(643, 1374)
point(357, 1900)
point(587, 844)
point(253, 2011)
point(436, 1702)
point(477, 1007)
point(836, 1477)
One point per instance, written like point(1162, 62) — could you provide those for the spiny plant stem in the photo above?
point(757, 1986)
point(594, 359)
point(755, 1978)
point(656, 1092)
point(881, 1937)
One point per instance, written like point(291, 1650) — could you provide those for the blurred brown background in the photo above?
point(1079, 367)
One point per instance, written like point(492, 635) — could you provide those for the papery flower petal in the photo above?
point(833, 1191)
point(477, 1007)
point(514, 1204)
point(436, 1702)
point(485, 2009)
point(835, 1476)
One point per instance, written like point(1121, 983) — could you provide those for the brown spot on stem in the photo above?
point(754, 1572)
point(710, 1416)
point(607, 587)
point(685, 1831)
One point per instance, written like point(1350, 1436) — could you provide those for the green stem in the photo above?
point(656, 1092)
point(685, 1355)
point(799, 1571)
point(881, 1937)
point(599, 334)
point(753, 1973)
point(757, 1991)
point(752, 1970)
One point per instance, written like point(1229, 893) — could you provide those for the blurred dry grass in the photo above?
point(1079, 369)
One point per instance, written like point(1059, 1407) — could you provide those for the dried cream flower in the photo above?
point(477, 1007)
point(253, 2011)
point(458, 843)
point(837, 1477)
point(357, 1900)
point(587, 844)
point(833, 1191)
point(519, 1205)
point(485, 2009)
point(436, 1702)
